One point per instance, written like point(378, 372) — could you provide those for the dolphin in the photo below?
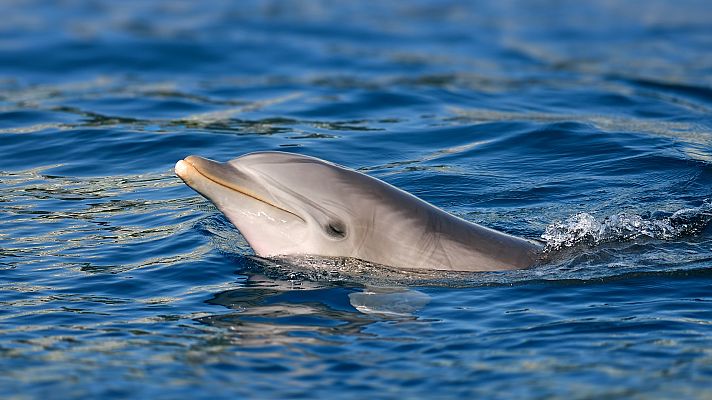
point(287, 204)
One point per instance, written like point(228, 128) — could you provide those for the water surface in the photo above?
point(586, 125)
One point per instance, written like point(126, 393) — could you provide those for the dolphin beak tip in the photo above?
point(181, 168)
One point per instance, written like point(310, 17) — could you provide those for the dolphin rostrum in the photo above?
point(289, 204)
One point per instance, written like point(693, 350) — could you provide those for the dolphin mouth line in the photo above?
point(240, 190)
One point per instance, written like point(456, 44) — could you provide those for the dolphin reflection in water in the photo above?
point(289, 204)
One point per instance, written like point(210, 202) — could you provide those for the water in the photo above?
point(586, 125)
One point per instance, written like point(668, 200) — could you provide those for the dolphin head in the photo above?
point(289, 204)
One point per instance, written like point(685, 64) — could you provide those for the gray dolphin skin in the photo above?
point(289, 204)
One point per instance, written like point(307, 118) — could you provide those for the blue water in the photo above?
point(586, 125)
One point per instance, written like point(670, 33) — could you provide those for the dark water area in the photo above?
point(586, 125)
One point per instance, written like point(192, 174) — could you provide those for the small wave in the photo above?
point(587, 230)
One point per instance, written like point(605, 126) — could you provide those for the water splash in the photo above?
point(585, 229)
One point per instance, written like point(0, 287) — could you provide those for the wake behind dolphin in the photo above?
point(289, 204)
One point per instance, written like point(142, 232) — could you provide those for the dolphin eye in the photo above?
point(336, 229)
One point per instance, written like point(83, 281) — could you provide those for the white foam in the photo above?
point(584, 228)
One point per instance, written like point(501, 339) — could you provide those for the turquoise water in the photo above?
point(586, 125)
